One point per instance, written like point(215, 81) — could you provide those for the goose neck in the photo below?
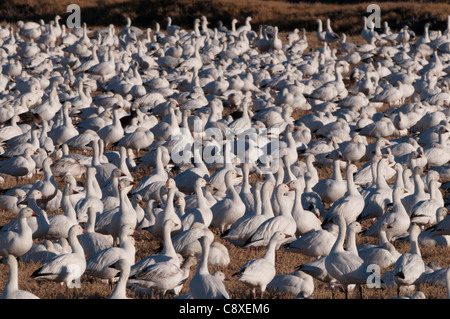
point(338, 246)
point(203, 267)
point(13, 278)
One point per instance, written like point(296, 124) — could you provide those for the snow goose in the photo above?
point(306, 221)
point(231, 208)
point(441, 228)
point(159, 174)
point(317, 270)
point(424, 212)
point(111, 134)
point(92, 241)
point(381, 128)
point(47, 186)
point(409, 266)
point(91, 197)
point(293, 283)
point(11, 202)
point(398, 218)
point(164, 276)
point(66, 268)
point(430, 236)
point(345, 266)
point(19, 166)
point(376, 200)
point(61, 133)
point(103, 170)
point(39, 225)
point(167, 213)
point(18, 241)
point(310, 199)
point(7, 132)
point(258, 273)
point(61, 224)
point(187, 242)
point(202, 212)
point(167, 253)
point(120, 289)
point(106, 68)
point(218, 255)
point(437, 154)
point(325, 36)
point(11, 290)
point(351, 204)
point(98, 265)
point(68, 165)
point(419, 191)
point(331, 189)
point(315, 244)
point(125, 214)
point(385, 254)
point(239, 232)
point(204, 285)
point(283, 222)
point(353, 150)
point(20, 149)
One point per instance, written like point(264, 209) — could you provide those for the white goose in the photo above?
point(294, 283)
point(167, 213)
point(306, 220)
point(398, 218)
point(17, 242)
point(333, 188)
point(239, 232)
point(11, 290)
point(284, 222)
point(65, 268)
point(98, 265)
point(164, 276)
point(66, 130)
point(187, 243)
point(111, 134)
point(168, 252)
point(228, 210)
point(385, 254)
point(325, 36)
point(120, 290)
point(409, 266)
point(351, 204)
point(61, 224)
point(202, 213)
point(92, 241)
point(345, 266)
point(258, 273)
point(204, 285)
point(315, 244)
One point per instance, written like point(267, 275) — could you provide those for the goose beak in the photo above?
point(389, 226)
point(287, 235)
point(34, 214)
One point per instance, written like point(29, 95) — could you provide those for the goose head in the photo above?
point(27, 212)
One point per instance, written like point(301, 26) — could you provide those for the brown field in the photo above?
point(346, 18)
